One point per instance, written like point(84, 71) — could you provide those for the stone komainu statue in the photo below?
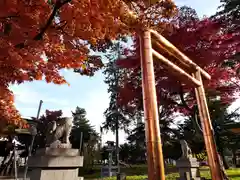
point(59, 130)
point(186, 151)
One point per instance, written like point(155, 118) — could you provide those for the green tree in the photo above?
point(81, 125)
point(114, 78)
point(224, 138)
point(137, 144)
point(104, 153)
point(234, 145)
point(192, 134)
point(169, 135)
point(229, 14)
point(124, 153)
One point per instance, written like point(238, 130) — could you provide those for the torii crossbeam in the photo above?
point(151, 44)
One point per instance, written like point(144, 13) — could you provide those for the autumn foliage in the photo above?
point(40, 37)
point(207, 45)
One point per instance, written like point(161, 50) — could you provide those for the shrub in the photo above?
point(201, 156)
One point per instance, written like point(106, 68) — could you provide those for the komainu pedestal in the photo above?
point(55, 164)
point(188, 168)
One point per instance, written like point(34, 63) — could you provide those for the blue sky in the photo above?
point(87, 92)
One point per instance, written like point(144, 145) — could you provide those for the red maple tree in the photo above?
point(39, 38)
point(207, 45)
point(51, 116)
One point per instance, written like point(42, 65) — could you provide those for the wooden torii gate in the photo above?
point(151, 44)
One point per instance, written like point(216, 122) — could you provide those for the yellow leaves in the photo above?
point(150, 2)
point(11, 98)
point(200, 156)
point(59, 81)
point(39, 76)
point(8, 113)
point(48, 79)
point(24, 77)
point(165, 3)
point(60, 47)
point(93, 41)
point(84, 67)
point(55, 78)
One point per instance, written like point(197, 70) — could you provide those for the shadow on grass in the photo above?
point(235, 176)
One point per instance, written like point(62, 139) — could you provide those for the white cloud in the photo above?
point(82, 93)
point(235, 105)
point(27, 95)
point(110, 136)
point(97, 102)
point(28, 111)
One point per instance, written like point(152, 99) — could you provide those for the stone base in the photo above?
point(184, 178)
point(57, 152)
point(188, 166)
point(55, 164)
point(58, 144)
point(106, 173)
point(12, 178)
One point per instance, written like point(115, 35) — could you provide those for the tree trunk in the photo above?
point(221, 150)
point(234, 157)
point(226, 166)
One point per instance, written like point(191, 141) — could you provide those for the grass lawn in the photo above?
point(139, 173)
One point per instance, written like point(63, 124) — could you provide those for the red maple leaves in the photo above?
point(206, 44)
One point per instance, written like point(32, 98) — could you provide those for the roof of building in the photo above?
point(233, 127)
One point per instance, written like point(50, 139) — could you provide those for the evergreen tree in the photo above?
point(81, 125)
point(225, 140)
point(229, 17)
point(230, 14)
point(113, 78)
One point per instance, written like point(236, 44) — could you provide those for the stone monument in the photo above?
point(188, 166)
point(57, 161)
point(109, 170)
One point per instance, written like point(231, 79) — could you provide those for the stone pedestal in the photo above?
point(108, 172)
point(55, 164)
point(11, 178)
point(188, 167)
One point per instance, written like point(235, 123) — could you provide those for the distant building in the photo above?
point(30, 120)
point(233, 127)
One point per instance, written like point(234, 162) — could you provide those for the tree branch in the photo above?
point(57, 6)
point(39, 36)
point(184, 103)
point(236, 84)
point(10, 16)
point(195, 118)
point(193, 111)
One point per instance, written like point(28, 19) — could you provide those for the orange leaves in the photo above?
point(39, 38)
point(39, 76)
point(8, 113)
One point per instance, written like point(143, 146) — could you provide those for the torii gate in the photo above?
point(194, 75)
point(153, 139)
